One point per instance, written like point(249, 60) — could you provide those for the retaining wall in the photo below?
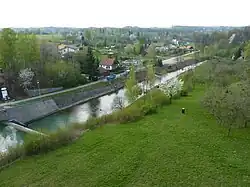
point(31, 111)
point(36, 92)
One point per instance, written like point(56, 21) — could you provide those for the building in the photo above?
point(64, 49)
point(108, 64)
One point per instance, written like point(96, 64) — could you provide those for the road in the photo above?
point(173, 60)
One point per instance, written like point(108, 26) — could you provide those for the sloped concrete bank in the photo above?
point(28, 112)
point(35, 110)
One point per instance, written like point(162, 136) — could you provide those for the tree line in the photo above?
point(27, 61)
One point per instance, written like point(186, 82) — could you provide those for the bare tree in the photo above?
point(118, 103)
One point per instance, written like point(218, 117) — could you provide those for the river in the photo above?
point(80, 113)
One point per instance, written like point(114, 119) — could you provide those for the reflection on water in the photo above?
point(9, 137)
point(77, 114)
point(94, 105)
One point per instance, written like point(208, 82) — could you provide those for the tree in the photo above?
point(129, 49)
point(247, 50)
point(8, 58)
point(132, 89)
point(151, 51)
point(137, 48)
point(88, 35)
point(90, 65)
point(150, 79)
point(80, 57)
point(94, 105)
point(26, 76)
point(159, 62)
point(64, 74)
point(28, 52)
point(172, 87)
point(118, 103)
point(8, 49)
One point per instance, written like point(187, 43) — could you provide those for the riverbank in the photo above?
point(37, 108)
point(163, 149)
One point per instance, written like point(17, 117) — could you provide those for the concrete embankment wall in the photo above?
point(37, 109)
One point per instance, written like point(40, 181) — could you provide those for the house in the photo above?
point(161, 49)
point(190, 47)
point(63, 49)
point(108, 64)
point(175, 42)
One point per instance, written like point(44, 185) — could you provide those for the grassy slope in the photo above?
point(163, 149)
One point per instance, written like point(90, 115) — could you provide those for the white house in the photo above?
point(63, 49)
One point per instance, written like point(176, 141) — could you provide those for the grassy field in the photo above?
point(50, 37)
point(165, 149)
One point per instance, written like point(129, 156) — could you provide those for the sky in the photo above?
point(120, 13)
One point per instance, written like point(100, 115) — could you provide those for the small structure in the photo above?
point(183, 110)
point(103, 72)
point(64, 49)
point(190, 47)
point(108, 64)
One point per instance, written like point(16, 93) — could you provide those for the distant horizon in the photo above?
point(205, 26)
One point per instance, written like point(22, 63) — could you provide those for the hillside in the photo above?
point(164, 149)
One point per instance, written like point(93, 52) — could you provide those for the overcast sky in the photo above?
point(119, 13)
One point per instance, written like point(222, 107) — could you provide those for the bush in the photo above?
point(184, 93)
point(41, 144)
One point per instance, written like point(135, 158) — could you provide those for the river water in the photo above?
point(100, 106)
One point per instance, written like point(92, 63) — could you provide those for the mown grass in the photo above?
point(36, 144)
point(163, 149)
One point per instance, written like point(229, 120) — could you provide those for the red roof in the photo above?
point(108, 62)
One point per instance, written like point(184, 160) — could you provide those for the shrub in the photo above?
point(184, 93)
point(41, 144)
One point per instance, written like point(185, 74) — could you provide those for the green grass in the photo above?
point(164, 149)
point(51, 37)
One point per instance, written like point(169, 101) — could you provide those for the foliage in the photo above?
point(230, 106)
point(150, 78)
point(88, 35)
point(132, 89)
point(151, 51)
point(118, 103)
point(26, 76)
point(8, 49)
point(64, 74)
point(159, 62)
point(247, 50)
point(173, 87)
point(90, 65)
point(129, 49)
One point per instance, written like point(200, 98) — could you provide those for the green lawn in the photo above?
point(165, 149)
